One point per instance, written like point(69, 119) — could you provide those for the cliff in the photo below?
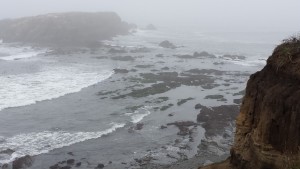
point(268, 125)
point(74, 28)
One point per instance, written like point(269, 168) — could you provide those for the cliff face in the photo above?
point(268, 125)
point(74, 28)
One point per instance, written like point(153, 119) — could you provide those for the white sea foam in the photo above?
point(249, 62)
point(20, 56)
point(51, 82)
point(16, 53)
point(140, 114)
point(43, 142)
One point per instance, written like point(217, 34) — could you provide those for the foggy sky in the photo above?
point(205, 15)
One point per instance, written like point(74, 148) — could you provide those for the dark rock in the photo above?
point(183, 131)
point(186, 56)
point(100, 166)
point(5, 166)
point(78, 164)
point(123, 58)
point(182, 101)
point(56, 166)
point(159, 55)
point(205, 71)
point(167, 44)
point(238, 101)
point(133, 70)
point(163, 108)
point(183, 127)
point(121, 71)
point(114, 50)
point(7, 151)
point(63, 162)
point(139, 126)
point(165, 68)
point(23, 162)
point(218, 63)
point(183, 123)
point(171, 114)
point(199, 106)
point(138, 160)
point(65, 167)
point(71, 153)
point(204, 54)
point(110, 162)
point(215, 119)
point(163, 127)
point(70, 161)
point(214, 97)
point(144, 66)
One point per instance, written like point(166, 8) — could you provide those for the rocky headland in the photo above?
point(67, 29)
point(267, 127)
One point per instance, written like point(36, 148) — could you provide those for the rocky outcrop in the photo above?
point(268, 125)
point(68, 29)
point(167, 44)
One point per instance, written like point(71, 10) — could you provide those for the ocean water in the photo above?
point(50, 103)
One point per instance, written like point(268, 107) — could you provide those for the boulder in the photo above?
point(23, 162)
point(167, 44)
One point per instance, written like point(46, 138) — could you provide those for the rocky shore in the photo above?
point(176, 107)
point(268, 128)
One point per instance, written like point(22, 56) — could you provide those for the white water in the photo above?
point(51, 82)
point(16, 53)
point(43, 142)
point(140, 114)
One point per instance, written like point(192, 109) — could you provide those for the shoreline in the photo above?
point(131, 83)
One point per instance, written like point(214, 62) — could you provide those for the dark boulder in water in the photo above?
point(23, 162)
point(114, 50)
point(121, 71)
point(99, 166)
point(63, 29)
point(167, 44)
point(7, 151)
point(203, 54)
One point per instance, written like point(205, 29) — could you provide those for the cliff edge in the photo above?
point(67, 29)
point(268, 125)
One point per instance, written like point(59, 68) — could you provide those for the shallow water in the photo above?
point(55, 104)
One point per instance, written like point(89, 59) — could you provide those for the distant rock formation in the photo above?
point(167, 44)
point(268, 125)
point(150, 27)
point(67, 29)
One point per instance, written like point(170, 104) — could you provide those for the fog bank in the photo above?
point(206, 15)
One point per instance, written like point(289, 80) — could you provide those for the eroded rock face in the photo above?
point(268, 125)
point(68, 29)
